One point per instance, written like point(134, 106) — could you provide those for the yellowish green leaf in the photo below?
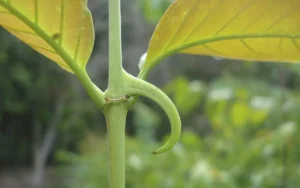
point(239, 113)
point(258, 116)
point(255, 30)
point(61, 30)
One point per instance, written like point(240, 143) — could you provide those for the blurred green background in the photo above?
point(240, 119)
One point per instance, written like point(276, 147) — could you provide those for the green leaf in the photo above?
point(61, 30)
point(153, 10)
point(186, 95)
point(254, 30)
point(239, 113)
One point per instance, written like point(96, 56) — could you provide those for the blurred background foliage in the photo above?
point(240, 119)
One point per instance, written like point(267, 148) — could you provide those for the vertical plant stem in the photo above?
point(115, 112)
point(115, 115)
point(115, 84)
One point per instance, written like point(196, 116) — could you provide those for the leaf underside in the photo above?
point(58, 29)
point(255, 30)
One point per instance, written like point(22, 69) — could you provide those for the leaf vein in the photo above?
point(5, 13)
point(11, 29)
point(45, 36)
point(180, 26)
point(281, 18)
point(261, 16)
point(248, 5)
point(297, 28)
point(280, 47)
point(36, 13)
point(296, 44)
point(42, 48)
point(168, 18)
point(62, 14)
point(247, 46)
point(78, 39)
point(201, 22)
point(220, 38)
point(211, 49)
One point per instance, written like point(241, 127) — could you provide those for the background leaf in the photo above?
point(259, 30)
point(58, 29)
point(153, 10)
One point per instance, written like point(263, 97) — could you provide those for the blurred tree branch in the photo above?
point(42, 151)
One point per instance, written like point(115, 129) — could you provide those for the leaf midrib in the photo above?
point(180, 48)
point(40, 32)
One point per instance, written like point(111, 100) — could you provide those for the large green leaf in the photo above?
point(62, 30)
point(259, 30)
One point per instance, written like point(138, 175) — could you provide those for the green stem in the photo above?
point(135, 87)
point(144, 73)
point(115, 110)
point(115, 115)
point(115, 84)
point(93, 91)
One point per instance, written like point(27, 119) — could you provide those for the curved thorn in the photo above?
point(135, 86)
